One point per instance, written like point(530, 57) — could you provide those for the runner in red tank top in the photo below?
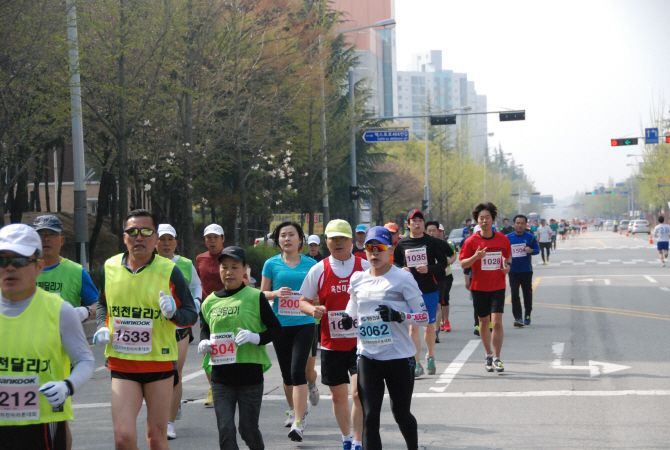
point(328, 284)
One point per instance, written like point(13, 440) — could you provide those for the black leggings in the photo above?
point(399, 377)
point(293, 348)
point(545, 246)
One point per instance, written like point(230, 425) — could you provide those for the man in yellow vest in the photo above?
point(167, 244)
point(143, 296)
point(35, 376)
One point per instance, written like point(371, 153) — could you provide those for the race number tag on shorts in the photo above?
point(223, 349)
point(19, 397)
point(492, 261)
point(132, 335)
point(518, 250)
point(372, 330)
point(336, 329)
point(416, 257)
point(290, 306)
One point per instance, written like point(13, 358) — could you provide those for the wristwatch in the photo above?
point(90, 311)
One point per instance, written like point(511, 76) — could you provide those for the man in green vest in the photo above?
point(40, 336)
point(167, 244)
point(60, 275)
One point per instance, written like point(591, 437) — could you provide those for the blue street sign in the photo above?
point(620, 184)
point(623, 192)
point(386, 136)
point(651, 135)
point(602, 189)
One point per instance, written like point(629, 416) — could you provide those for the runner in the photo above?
point(662, 235)
point(521, 274)
point(444, 280)
point(359, 246)
point(554, 233)
point(207, 268)
point(385, 300)
point(544, 238)
point(468, 228)
point(423, 256)
point(467, 274)
point(313, 243)
point(41, 336)
point(167, 244)
point(488, 253)
point(507, 228)
point(283, 276)
point(328, 284)
point(63, 277)
point(239, 323)
point(142, 297)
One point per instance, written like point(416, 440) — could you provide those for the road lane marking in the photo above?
point(651, 280)
point(606, 310)
point(601, 243)
point(450, 372)
point(665, 289)
point(100, 368)
point(508, 299)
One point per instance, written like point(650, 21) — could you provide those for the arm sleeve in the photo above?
point(535, 246)
point(88, 293)
point(441, 257)
point(204, 328)
point(507, 252)
point(270, 321)
point(352, 306)
point(101, 311)
point(76, 346)
point(195, 285)
point(186, 314)
point(398, 256)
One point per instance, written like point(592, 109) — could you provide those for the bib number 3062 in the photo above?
point(290, 306)
point(372, 330)
point(19, 397)
point(223, 349)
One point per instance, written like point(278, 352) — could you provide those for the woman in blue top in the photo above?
point(282, 278)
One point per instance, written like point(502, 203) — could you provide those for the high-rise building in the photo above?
point(428, 88)
point(375, 49)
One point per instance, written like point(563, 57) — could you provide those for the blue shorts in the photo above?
point(431, 301)
point(660, 246)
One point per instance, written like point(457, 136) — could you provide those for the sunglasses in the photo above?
point(146, 232)
point(380, 247)
point(18, 263)
point(48, 234)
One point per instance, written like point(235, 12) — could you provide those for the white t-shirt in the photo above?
point(662, 232)
point(544, 233)
point(310, 286)
point(398, 290)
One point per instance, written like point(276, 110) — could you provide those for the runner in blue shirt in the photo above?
point(524, 245)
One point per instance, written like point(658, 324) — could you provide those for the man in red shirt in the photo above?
point(489, 253)
point(207, 267)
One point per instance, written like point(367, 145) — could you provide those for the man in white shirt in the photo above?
point(662, 235)
point(544, 238)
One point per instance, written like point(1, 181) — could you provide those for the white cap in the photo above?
point(213, 229)
point(477, 228)
point(166, 228)
point(313, 239)
point(20, 238)
point(441, 227)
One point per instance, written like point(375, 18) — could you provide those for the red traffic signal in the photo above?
point(627, 141)
point(667, 139)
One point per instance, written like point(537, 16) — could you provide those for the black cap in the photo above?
point(48, 222)
point(236, 253)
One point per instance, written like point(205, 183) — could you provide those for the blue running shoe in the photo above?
point(358, 447)
point(526, 321)
point(346, 445)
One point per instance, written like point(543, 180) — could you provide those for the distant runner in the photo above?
point(662, 235)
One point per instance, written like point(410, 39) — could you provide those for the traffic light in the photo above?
point(667, 139)
point(353, 193)
point(620, 142)
point(424, 205)
point(591, 193)
point(512, 115)
point(443, 120)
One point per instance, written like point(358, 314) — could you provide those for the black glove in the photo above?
point(390, 315)
point(347, 321)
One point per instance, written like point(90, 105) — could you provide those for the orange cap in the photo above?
point(392, 227)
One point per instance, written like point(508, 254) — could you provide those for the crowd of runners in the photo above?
point(362, 309)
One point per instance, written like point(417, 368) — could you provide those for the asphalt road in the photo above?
point(590, 372)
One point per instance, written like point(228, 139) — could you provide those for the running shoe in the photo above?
point(418, 371)
point(358, 447)
point(526, 321)
point(209, 401)
point(489, 364)
point(547, 259)
point(518, 322)
point(314, 395)
point(663, 264)
point(178, 413)
point(497, 365)
point(290, 418)
point(296, 432)
point(431, 366)
point(346, 445)
point(170, 431)
point(544, 263)
point(437, 337)
point(477, 330)
point(447, 325)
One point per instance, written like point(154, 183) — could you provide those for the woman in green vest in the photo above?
point(239, 322)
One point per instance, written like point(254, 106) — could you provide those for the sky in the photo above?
point(585, 72)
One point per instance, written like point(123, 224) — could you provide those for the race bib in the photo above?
point(132, 335)
point(19, 397)
point(518, 250)
point(290, 306)
point(336, 329)
point(492, 261)
point(373, 331)
point(223, 349)
point(416, 257)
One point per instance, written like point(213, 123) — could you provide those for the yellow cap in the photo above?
point(338, 227)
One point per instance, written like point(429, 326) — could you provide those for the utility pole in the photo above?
point(352, 143)
point(324, 171)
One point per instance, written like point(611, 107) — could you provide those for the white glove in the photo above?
point(197, 305)
point(56, 392)
point(205, 346)
point(101, 337)
point(82, 312)
point(244, 336)
point(167, 305)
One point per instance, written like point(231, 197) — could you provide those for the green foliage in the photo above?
point(256, 257)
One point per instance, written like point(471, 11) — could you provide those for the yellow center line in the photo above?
point(508, 300)
point(631, 313)
point(600, 242)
